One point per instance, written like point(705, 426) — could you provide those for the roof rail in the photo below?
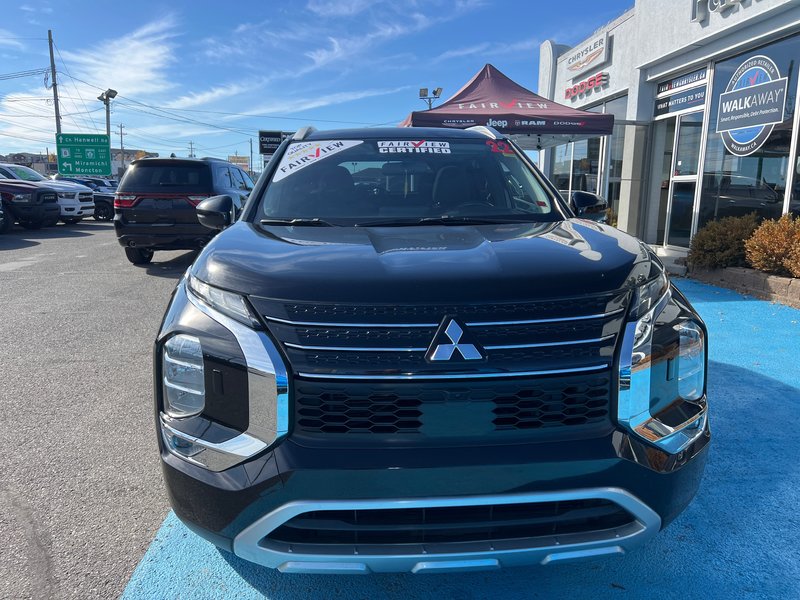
point(303, 133)
point(490, 132)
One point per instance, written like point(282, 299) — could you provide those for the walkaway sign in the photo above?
point(751, 105)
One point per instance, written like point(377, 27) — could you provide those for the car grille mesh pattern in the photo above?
point(447, 525)
point(548, 405)
point(362, 369)
point(486, 407)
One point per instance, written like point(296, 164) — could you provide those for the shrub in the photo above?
point(721, 243)
point(773, 245)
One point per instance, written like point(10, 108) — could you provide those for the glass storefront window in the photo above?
point(580, 165)
point(745, 171)
point(562, 162)
point(586, 165)
point(615, 146)
point(689, 144)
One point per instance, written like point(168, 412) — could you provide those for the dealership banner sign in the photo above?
point(672, 103)
point(588, 56)
point(751, 105)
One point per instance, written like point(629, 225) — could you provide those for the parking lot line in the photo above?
point(739, 538)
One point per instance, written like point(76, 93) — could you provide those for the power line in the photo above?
point(27, 139)
point(20, 74)
point(93, 124)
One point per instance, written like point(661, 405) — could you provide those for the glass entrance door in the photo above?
point(683, 181)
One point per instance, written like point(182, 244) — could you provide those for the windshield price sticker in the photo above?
point(303, 154)
point(500, 147)
point(413, 147)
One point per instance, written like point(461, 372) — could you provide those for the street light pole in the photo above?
point(423, 95)
point(105, 98)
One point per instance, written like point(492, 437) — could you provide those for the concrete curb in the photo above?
point(785, 290)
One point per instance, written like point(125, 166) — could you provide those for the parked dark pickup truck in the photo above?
point(407, 353)
point(29, 204)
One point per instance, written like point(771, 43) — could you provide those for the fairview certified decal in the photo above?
point(301, 155)
point(413, 147)
point(751, 105)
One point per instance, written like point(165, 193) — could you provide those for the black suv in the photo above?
point(408, 354)
point(27, 203)
point(155, 203)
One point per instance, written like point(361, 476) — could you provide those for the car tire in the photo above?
point(32, 224)
point(103, 211)
point(71, 220)
point(139, 256)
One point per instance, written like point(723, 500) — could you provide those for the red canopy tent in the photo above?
point(491, 98)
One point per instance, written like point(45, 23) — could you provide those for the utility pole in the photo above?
point(191, 149)
point(122, 146)
point(251, 157)
point(55, 85)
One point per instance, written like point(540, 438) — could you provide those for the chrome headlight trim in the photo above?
point(633, 400)
point(268, 396)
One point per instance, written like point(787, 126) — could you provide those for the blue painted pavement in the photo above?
point(740, 538)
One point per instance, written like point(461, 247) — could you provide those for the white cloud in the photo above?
point(213, 94)
point(7, 40)
point(489, 49)
point(296, 105)
point(339, 8)
point(132, 64)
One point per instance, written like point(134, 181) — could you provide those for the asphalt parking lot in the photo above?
point(80, 494)
point(81, 501)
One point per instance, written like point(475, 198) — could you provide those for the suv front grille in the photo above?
point(48, 198)
point(85, 197)
point(381, 341)
point(503, 525)
point(497, 410)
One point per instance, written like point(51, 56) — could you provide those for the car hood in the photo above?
point(17, 185)
point(512, 262)
point(65, 186)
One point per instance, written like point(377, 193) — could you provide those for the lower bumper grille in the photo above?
point(438, 410)
point(447, 525)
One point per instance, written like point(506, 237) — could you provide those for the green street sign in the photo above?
point(83, 154)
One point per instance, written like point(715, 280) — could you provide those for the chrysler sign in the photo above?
point(587, 56)
point(751, 105)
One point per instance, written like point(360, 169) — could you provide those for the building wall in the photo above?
point(656, 40)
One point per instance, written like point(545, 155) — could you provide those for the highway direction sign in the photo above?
point(83, 154)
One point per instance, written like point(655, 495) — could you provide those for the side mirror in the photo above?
point(217, 212)
point(589, 205)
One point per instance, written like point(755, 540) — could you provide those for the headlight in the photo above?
point(228, 303)
point(66, 195)
point(183, 377)
point(662, 369)
point(22, 198)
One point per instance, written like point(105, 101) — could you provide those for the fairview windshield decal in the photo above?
point(413, 147)
point(303, 154)
point(751, 105)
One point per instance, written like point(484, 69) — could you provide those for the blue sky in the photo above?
point(214, 73)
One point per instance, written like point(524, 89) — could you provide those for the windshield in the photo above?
point(25, 173)
point(167, 177)
point(385, 182)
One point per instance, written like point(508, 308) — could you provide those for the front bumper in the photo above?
point(75, 210)
point(32, 213)
point(238, 508)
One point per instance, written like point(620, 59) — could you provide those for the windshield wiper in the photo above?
point(298, 221)
point(443, 220)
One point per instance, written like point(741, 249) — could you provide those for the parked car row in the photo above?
point(34, 201)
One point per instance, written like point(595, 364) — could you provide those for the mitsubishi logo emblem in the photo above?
point(451, 341)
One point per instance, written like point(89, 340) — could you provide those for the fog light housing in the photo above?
point(183, 377)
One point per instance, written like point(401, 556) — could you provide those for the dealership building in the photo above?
point(707, 113)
